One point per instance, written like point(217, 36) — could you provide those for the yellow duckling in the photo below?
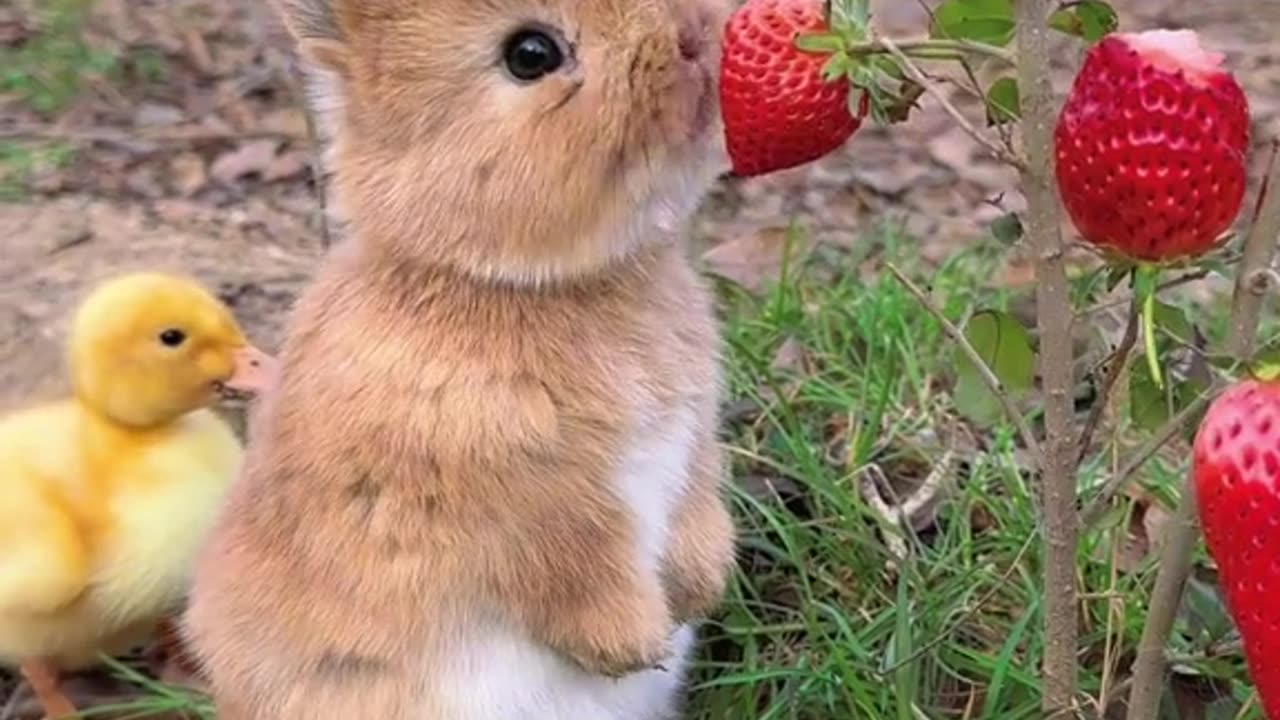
point(105, 497)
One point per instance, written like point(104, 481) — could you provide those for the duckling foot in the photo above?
point(44, 681)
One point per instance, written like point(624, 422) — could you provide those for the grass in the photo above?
point(48, 70)
point(46, 73)
point(20, 162)
point(824, 621)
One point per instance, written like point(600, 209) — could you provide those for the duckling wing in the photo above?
point(44, 558)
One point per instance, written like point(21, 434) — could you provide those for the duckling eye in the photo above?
point(173, 337)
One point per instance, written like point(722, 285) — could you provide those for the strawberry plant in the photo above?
point(1146, 158)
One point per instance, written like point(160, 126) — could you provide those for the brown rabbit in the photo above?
point(487, 486)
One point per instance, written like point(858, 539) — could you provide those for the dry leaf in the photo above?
point(198, 51)
point(189, 174)
point(890, 178)
point(13, 33)
point(157, 114)
point(252, 157)
point(953, 149)
point(286, 165)
point(287, 121)
point(1155, 523)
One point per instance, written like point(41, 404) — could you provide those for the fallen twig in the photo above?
point(890, 517)
point(984, 371)
point(901, 516)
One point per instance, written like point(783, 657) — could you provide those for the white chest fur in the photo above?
point(652, 476)
point(496, 674)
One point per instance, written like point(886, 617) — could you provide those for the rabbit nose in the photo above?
point(691, 39)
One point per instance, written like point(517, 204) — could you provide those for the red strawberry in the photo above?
point(778, 112)
point(1236, 466)
point(1151, 146)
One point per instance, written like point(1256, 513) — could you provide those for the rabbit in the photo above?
point(487, 483)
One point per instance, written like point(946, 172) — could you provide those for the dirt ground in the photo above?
point(204, 169)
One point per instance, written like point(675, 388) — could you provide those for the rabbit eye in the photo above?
point(531, 55)
point(172, 337)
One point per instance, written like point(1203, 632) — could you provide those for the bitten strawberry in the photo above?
point(1236, 466)
point(778, 112)
point(1151, 146)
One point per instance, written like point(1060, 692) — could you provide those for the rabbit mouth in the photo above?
point(704, 104)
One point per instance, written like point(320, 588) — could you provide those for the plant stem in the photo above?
point(1175, 566)
point(1101, 502)
point(1259, 251)
point(1119, 359)
point(1176, 557)
point(917, 75)
point(1053, 318)
point(925, 47)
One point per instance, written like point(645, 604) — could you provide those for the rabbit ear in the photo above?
point(314, 24)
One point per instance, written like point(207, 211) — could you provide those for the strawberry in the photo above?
point(1151, 146)
point(1236, 466)
point(778, 111)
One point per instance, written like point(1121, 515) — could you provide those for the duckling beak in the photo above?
point(253, 372)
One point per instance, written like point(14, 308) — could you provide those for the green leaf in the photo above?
point(1150, 406)
point(850, 18)
point(985, 21)
point(1265, 363)
point(1003, 102)
point(1205, 611)
point(837, 67)
point(1005, 346)
point(1117, 272)
point(1007, 228)
point(1087, 286)
point(1172, 321)
point(1217, 265)
point(1086, 19)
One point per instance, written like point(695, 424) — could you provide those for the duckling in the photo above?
point(106, 496)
